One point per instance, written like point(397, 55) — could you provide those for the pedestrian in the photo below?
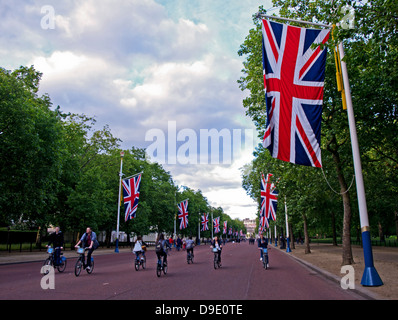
point(179, 243)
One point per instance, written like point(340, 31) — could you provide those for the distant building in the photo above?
point(250, 225)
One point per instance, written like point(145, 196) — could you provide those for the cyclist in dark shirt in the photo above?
point(57, 240)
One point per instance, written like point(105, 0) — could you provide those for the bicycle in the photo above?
point(217, 258)
point(80, 263)
point(189, 257)
point(265, 259)
point(140, 261)
point(161, 266)
point(50, 261)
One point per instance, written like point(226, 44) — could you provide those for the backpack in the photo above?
point(159, 246)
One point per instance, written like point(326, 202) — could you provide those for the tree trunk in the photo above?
point(334, 241)
point(347, 252)
point(396, 222)
point(292, 245)
point(306, 238)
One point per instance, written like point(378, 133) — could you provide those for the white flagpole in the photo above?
point(118, 202)
point(287, 230)
point(370, 276)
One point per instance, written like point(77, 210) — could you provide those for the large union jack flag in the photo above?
point(131, 194)
point(183, 214)
point(205, 222)
point(269, 200)
point(294, 75)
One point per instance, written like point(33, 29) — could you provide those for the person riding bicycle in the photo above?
point(189, 244)
point(217, 243)
point(139, 247)
point(161, 248)
point(89, 239)
point(57, 239)
point(263, 244)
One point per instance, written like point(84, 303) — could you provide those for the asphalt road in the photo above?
point(241, 277)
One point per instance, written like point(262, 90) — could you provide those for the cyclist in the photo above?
point(161, 248)
point(189, 246)
point(57, 239)
point(139, 247)
point(89, 239)
point(262, 243)
point(217, 243)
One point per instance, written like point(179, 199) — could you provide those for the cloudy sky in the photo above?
point(161, 73)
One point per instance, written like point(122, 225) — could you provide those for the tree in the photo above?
point(29, 150)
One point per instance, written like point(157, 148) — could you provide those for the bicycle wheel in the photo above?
point(143, 263)
point(136, 264)
point(46, 266)
point(62, 266)
point(78, 267)
point(159, 269)
point(164, 267)
point(91, 269)
point(266, 265)
point(215, 261)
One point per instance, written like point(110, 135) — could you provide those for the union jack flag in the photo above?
point(131, 194)
point(293, 72)
point(225, 227)
point(269, 200)
point(216, 222)
point(183, 214)
point(205, 221)
point(230, 231)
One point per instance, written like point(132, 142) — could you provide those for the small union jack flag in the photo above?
point(183, 214)
point(269, 200)
point(131, 194)
point(216, 222)
point(225, 227)
point(205, 221)
point(294, 72)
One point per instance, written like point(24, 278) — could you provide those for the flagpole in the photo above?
point(370, 276)
point(276, 240)
point(212, 225)
point(260, 15)
point(118, 203)
point(287, 230)
point(134, 175)
point(198, 241)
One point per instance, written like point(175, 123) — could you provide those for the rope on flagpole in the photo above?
point(331, 188)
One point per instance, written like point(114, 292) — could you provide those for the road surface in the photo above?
point(241, 277)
